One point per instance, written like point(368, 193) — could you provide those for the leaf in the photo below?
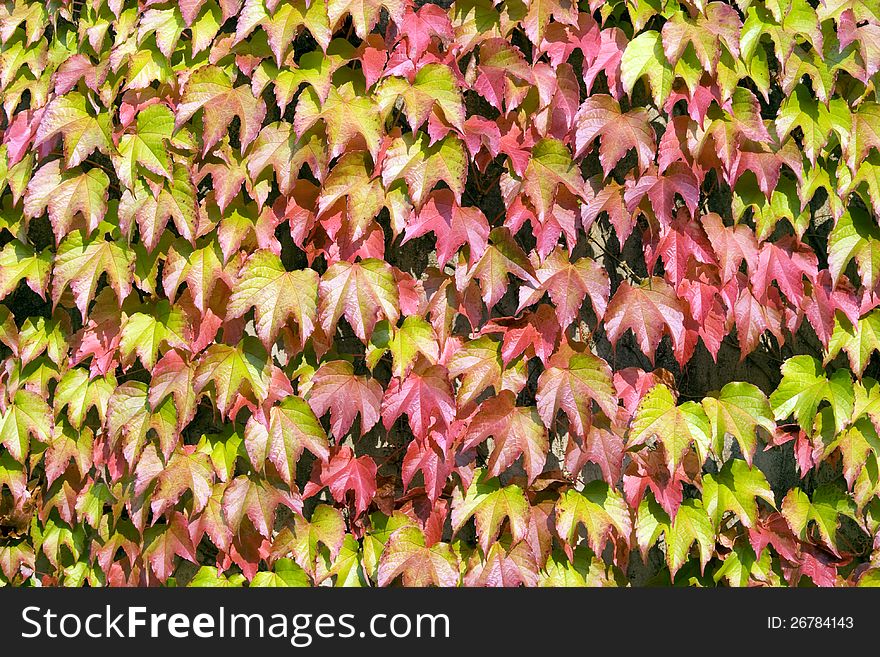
point(859, 341)
point(425, 396)
point(166, 542)
point(343, 473)
point(146, 146)
point(549, 167)
point(600, 509)
point(572, 382)
point(452, 225)
point(146, 333)
point(568, 284)
point(432, 88)
point(406, 555)
point(292, 428)
point(276, 295)
point(248, 496)
point(824, 509)
point(479, 364)
point(67, 195)
point(79, 264)
point(285, 573)
point(600, 116)
point(503, 256)
point(738, 410)
point(364, 13)
point(325, 530)
point(644, 56)
point(677, 428)
point(238, 372)
point(362, 292)
point(855, 235)
point(490, 504)
point(650, 311)
point(414, 338)
point(691, 524)
point(20, 262)
point(211, 90)
point(517, 431)
point(735, 489)
point(27, 416)
point(183, 472)
point(336, 388)
point(82, 133)
point(803, 387)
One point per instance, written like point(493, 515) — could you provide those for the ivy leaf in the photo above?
point(146, 145)
point(210, 89)
point(549, 167)
point(503, 256)
point(675, 427)
point(490, 504)
point(517, 431)
point(285, 573)
point(145, 333)
point(426, 398)
point(644, 56)
point(364, 13)
point(859, 341)
point(80, 262)
point(738, 410)
point(183, 472)
point(27, 416)
point(650, 311)
point(824, 509)
point(855, 235)
point(600, 116)
point(406, 555)
point(803, 387)
point(572, 381)
point(166, 542)
point(479, 364)
point(432, 87)
point(735, 489)
point(276, 295)
point(600, 509)
point(251, 497)
point(691, 524)
point(67, 195)
point(343, 473)
point(235, 372)
point(20, 262)
point(325, 528)
point(452, 224)
point(336, 388)
point(292, 428)
point(82, 133)
point(568, 284)
point(363, 292)
point(414, 338)
point(173, 375)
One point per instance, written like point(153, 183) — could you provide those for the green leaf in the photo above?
point(675, 427)
point(644, 56)
point(276, 295)
point(691, 524)
point(599, 508)
point(285, 573)
point(738, 410)
point(27, 416)
point(490, 503)
point(735, 489)
point(146, 145)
